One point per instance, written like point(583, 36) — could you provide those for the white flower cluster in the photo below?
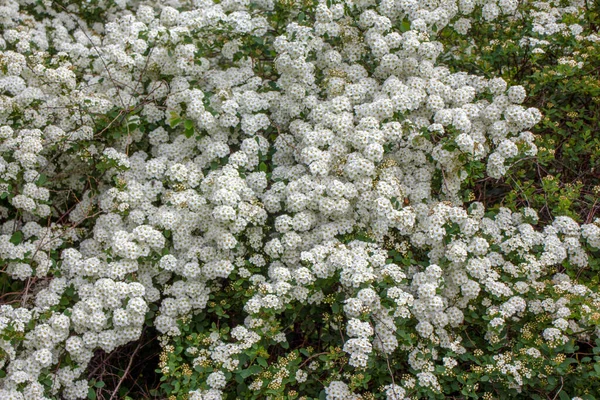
point(546, 19)
point(278, 168)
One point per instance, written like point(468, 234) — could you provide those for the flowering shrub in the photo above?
point(277, 188)
point(552, 50)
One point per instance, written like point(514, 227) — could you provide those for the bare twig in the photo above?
point(126, 371)
point(562, 383)
point(311, 357)
point(389, 367)
point(97, 51)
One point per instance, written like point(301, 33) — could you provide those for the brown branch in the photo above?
point(311, 357)
point(126, 372)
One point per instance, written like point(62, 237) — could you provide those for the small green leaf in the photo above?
point(16, 237)
point(262, 362)
point(254, 369)
point(405, 26)
point(174, 122)
point(564, 396)
point(42, 180)
point(335, 307)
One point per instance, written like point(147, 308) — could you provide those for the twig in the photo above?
point(126, 371)
point(389, 367)
point(562, 383)
point(26, 292)
point(97, 51)
point(537, 164)
point(311, 357)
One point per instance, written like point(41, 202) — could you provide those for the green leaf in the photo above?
point(16, 237)
point(564, 395)
point(42, 180)
point(405, 26)
point(100, 384)
point(262, 362)
point(174, 122)
point(335, 307)
point(92, 394)
point(254, 369)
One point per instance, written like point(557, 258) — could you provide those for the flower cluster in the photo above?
point(240, 162)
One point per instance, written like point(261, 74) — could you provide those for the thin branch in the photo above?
point(311, 357)
point(126, 372)
point(389, 367)
point(97, 51)
point(562, 383)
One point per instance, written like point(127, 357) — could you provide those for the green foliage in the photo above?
point(563, 82)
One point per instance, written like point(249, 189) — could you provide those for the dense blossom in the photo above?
point(331, 174)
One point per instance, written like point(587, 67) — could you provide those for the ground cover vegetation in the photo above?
point(260, 199)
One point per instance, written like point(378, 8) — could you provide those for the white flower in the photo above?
point(216, 380)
